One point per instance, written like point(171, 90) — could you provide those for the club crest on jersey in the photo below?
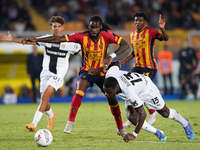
point(63, 46)
point(142, 35)
point(100, 46)
point(84, 76)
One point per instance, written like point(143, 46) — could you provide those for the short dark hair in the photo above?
point(110, 82)
point(58, 19)
point(96, 18)
point(141, 14)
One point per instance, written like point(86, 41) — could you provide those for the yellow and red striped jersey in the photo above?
point(143, 46)
point(94, 53)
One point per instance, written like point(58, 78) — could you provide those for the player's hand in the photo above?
point(128, 137)
point(93, 71)
point(106, 63)
point(161, 22)
point(4, 37)
point(26, 40)
point(122, 62)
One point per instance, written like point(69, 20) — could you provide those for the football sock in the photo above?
point(151, 111)
point(37, 117)
point(76, 103)
point(173, 114)
point(49, 113)
point(115, 110)
point(148, 127)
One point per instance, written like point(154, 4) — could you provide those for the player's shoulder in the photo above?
point(106, 31)
point(151, 29)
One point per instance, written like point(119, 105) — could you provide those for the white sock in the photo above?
point(49, 113)
point(173, 114)
point(148, 127)
point(37, 117)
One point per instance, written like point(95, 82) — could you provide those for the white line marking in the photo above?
point(105, 140)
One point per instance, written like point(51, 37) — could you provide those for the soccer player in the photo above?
point(94, 44)
point(142, 41)
point(136, 90)
point(55, 66)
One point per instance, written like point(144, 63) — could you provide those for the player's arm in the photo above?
point(50, 39)
point(161, 25)
point(123, 46)
point(9, 38)
point(142, 115)
point(128, 58)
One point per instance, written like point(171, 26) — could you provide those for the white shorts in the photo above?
point(49, 78)
point(152, 99)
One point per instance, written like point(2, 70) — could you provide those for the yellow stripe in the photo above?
point(147, 49)
point(119, 40)
point(66, 37)
point(85, 49)
point(90, 54)
point(80, 92)
point(114, 106)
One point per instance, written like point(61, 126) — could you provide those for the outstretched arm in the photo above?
point(161, 25)
point(9, 38)
point(122, 48)
point(142, 116)
point(50, 39)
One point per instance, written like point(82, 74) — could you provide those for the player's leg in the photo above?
point(174, 115)
point(43, 107)
point(75, 104)
point(115, 110)
point(47, 86)
point(114, 107)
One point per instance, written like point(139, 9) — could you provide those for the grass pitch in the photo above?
point(95, 128)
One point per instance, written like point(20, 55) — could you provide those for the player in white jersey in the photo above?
point(55, 66)
point(137, 90)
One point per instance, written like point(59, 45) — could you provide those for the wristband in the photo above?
point(134, 134)
point(113, 55)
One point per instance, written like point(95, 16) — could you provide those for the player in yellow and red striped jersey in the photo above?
point(142, 41)
point(94, 44)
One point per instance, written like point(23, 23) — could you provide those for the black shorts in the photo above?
point(98, 80)
point(151, 73)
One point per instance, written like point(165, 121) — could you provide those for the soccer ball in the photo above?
point(43, 137)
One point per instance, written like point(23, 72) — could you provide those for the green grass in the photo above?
point(95, 128)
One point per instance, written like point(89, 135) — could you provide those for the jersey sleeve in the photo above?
point(155, 34)
point(113, 38)
point(71, 47)
point(113, 72)
point(74, 37)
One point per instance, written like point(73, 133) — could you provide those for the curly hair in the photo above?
point(105, 26)
point(141, 14)
point(58, 19)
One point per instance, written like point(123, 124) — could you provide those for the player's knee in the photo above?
point(164, 112)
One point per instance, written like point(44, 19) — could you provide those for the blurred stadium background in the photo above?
point(30, 18)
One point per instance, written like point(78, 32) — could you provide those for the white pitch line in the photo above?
point(153, 142)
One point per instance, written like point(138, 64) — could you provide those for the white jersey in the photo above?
point(137, 89)
point(56, 56)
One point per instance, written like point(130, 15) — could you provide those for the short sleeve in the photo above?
point(155, 34)
point(71, 47)
point(113, 72)
point(113, 38)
